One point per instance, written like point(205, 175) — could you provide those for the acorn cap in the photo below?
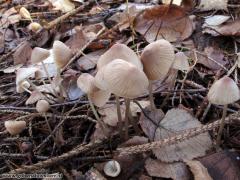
point(23, 73)
point(62, 54)
point(39, 54)
point(42, 106)
point(122, 79)
point(224, 91)
point(112, 168)
point(87, 84)
point(157, 59)
point(119, 51)
point(20, 86)
point(181, 62)
point(15, 127)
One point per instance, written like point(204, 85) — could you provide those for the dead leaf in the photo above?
point(164, 22)
point(77, 40)
point(206, 5)
point(198, 170)
point(135, 140)
point(181, 62)
point(62, 5)
point(23, 54)
point(9, 17)
point(70, 85)
point(222, 165)
point(176, 171)
point(149, 127)
point(93, 174)
point(227, 29)
point(2, 43)
point(35, 96)
point(216, 61)
point(89, 61)
point(135, 109)
point(215, 20)
point(177, 121)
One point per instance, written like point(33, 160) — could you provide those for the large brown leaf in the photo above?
point(164, 22)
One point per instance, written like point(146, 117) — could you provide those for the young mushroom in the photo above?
point(124, 80)
point(25, 13)
point(157, 59)
point(112, 168)
point(223, 92)
point(15, 127)
point(23, 86)
point(95, 95)
point(34, 27)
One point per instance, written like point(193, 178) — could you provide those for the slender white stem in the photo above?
point(127, 103)
point(120, 123)
point(220, 131)
point(151, 96)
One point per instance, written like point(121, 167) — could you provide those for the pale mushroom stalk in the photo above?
point(220, 131)
point(119, 116)
point(151, 99)
point(27, 90)
point(93, 109)
point(127, 103)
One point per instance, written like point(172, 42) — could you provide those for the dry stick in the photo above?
point(172, 140)
point(58, 159)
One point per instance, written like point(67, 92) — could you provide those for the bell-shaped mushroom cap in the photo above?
point(119, 51)
point(42, 106)
point(157, 59)
point(23, 73)
point(39, 54)
point(224, 91)
point(122, 79)
point(20, 87)
point(34, 26)
point(87, 84)
point(181, 62)
point(62, 54)
point(15, 127)
point(112, 168)
point(25, 13)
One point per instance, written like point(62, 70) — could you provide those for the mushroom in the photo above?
point(223, 92)
point(23, 86)
point(34, 26)
point(119, 51)
point(157, 59)
point(112, 168)
point(25, 13)
point(124, 80)
point(95, 95)
point(43, 106)
point(15, 127)
point(62, 54)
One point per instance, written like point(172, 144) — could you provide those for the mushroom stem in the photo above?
point(127, 103)
point(27, 90)
point(151, 96)
point(46, 71)
point(221, 125)
point(120, 123)
point(93, 109)
point(46, 120)
point(62, 89)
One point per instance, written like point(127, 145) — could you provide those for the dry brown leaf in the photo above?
point(216, 57)
point(9, 17)
point(135, 140)
point(206, 5)
point(35, 96)
point(177, 121)
point(198, 170)
point(135, 109)
point(2, 41)
point(164, 22)
point(23, 54)
point(77, 40)
point(176, 171)
point(227, 29)
point(62, 5)
point(149, 127)
point(89, 61)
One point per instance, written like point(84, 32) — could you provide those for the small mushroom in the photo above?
point(112, 168)
point(119, 51)
point(223, 92)
point(157, 59)
point(23, 86)
point(95, 95)
point(15, 127)
point(25, 13)
point(124, 80)
point(62, 54)
point(34, 27)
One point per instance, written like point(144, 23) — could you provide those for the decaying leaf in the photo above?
point(149, 127)
point(175, 122)
point(62, 5)
point(23, 54)
point(135, 140)
point(164, 22)
point(181, 62)
point(12, 69)
point(9, 17)
point(212, 58)
point(198, 170)
point(176, 171)
point(136, 109)
point(35, 96)
point(215, 20)
point(206, 5)
point(93, 174)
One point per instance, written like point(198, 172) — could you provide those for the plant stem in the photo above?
point(151, 96)
point(221, 125)
point(120, 123)
point(127, 103)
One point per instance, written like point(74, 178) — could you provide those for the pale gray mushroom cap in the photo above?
point(15, 127)
point(39, 54)
point(112, 168)
point(62, 54)
point(157, 59)
point(119, 51)
point(87, 84)
point(224, 91)
point(42, 106)
point(122, 79)
point(23, 73)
